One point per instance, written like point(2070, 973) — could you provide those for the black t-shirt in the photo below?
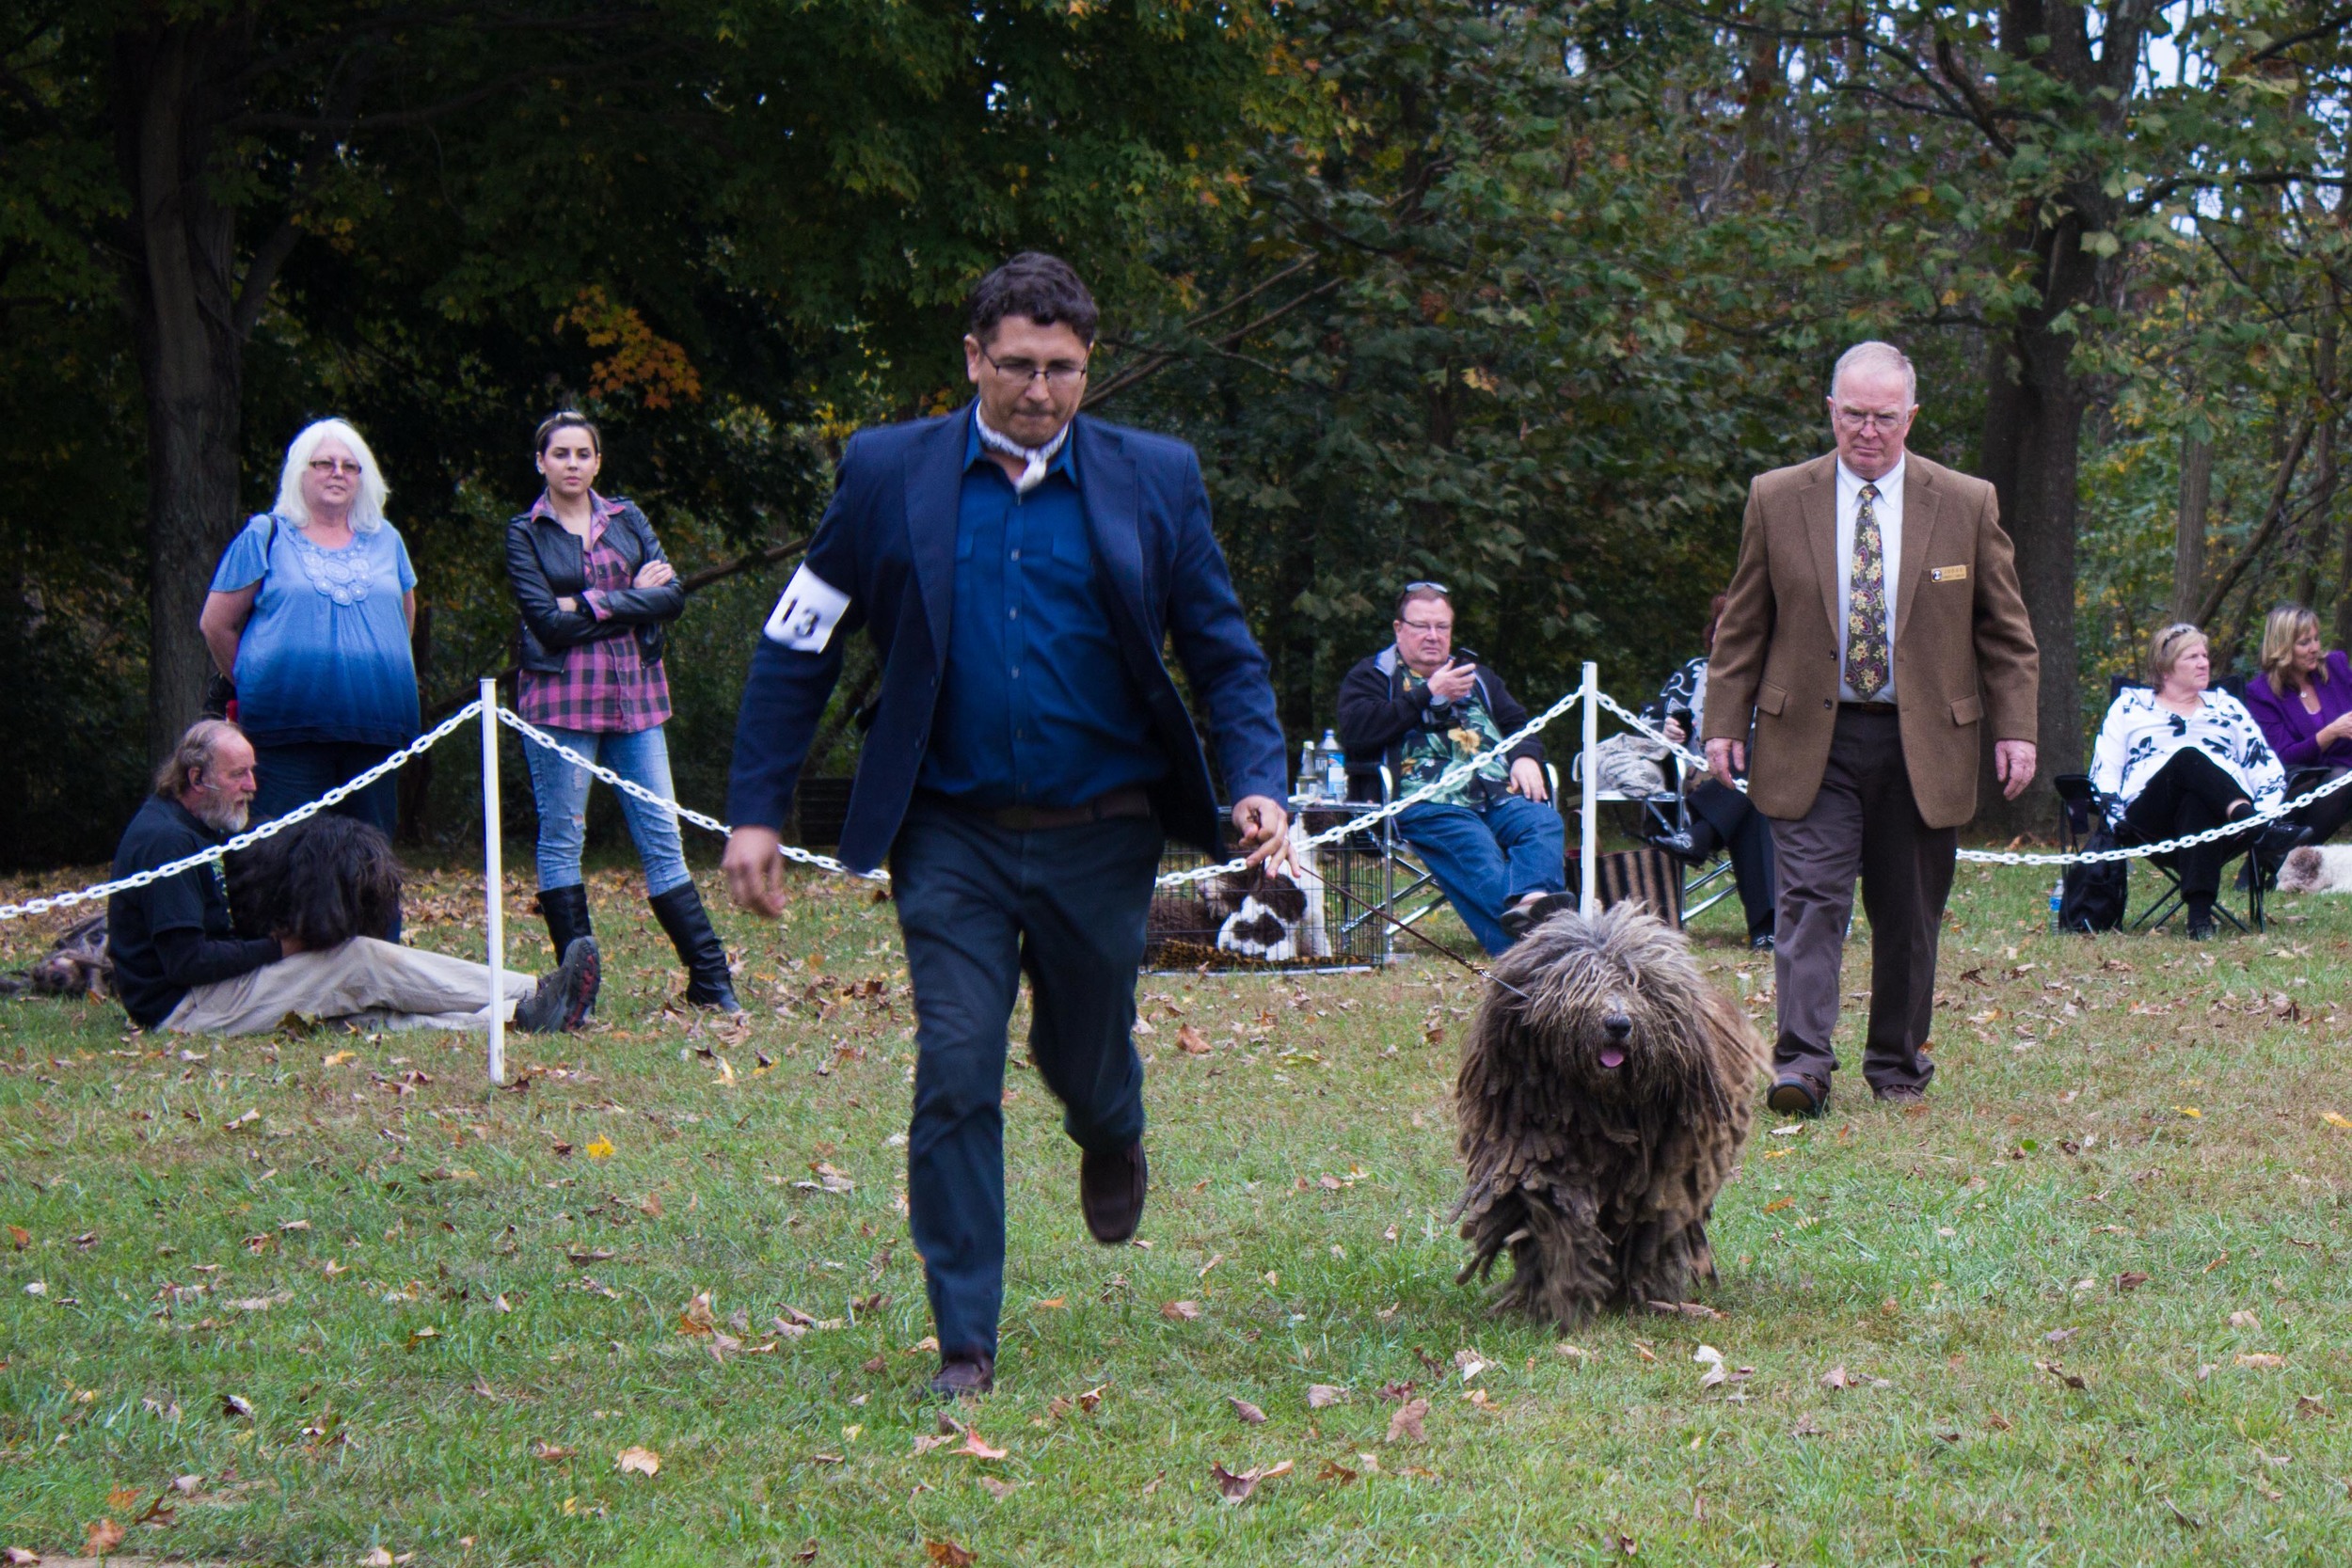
point(173, 934)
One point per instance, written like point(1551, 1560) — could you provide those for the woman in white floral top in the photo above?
point(2175, 758)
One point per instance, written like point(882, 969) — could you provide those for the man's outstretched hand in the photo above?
point(1265, 828)
point(755, 870)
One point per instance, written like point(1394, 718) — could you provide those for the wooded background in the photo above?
point(1513, 297)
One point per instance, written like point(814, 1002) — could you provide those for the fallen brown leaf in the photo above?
point(1247, 1410)
point(1320, 1395)
point(551, 1452)
point(947, 1554)
point(2260, 1361)
point(979, 1446)
point(1190, 1042)
point(19, 1557)
point(698, 1317)
point(1333, 1470)
point(1405, 1425)
point(105, 1536)
point(1180, 1311)
point(1236, 1488)
point(2130, 1279)
point(643, 1461)
point(2073, 1380)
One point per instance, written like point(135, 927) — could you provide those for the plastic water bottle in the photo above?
point(1309, 775)
point(2057, 901)
point(1334, 767)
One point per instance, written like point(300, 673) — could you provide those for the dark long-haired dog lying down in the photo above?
point(322, 881)
point(1605, 1091)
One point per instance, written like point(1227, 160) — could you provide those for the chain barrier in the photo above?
point(2079, 857)
point(1354, 825)
point(424, 743)
point(531, 733)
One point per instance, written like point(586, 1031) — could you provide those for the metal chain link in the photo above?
point(522, 726)
point(277, 825)
point(1447, 780)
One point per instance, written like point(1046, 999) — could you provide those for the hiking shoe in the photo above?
point(563, 999)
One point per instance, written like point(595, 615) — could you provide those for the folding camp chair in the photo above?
point(1668, 811)
point(1407, 888)
point(2081, 807)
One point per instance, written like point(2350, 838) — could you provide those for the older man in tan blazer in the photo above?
point(1873, 634)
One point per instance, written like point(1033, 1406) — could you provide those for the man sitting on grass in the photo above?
point(179, 964)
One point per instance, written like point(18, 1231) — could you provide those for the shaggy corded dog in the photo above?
point(323, 881)
point(1602, 1101)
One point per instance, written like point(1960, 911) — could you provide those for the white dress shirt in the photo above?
point(1888, 509)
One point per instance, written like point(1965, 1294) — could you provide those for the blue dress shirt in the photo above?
point(1036, 707)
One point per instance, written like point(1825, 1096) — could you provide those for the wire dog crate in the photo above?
point(1331, 920)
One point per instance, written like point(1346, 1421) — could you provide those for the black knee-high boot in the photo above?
point(566, 909)
point(681, 913)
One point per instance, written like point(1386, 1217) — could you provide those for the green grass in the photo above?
point(403, 1354)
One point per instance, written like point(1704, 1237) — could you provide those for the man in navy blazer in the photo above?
point(1020, 570)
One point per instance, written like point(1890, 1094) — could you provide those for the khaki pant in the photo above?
point(378, 985)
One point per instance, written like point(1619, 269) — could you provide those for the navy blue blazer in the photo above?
point(888, 543)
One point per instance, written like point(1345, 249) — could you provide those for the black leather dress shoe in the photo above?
point(1110, 1192)
point(1798, 1094)
point(1680, 846)
point(964, 1376)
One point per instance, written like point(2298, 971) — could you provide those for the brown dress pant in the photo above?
point(1865, 824)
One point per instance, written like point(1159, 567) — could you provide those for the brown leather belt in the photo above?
point(1120, 804)
point(1888, 708)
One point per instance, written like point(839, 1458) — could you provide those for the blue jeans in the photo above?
point(561, 790)
point(979, 905)
point(1488, 859)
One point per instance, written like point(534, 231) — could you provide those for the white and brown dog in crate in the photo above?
point(1276, 918)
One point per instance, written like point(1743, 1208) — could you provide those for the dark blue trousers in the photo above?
point(980, 906)
point(296, 775)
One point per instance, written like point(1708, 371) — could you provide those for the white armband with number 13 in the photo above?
point(804, 617)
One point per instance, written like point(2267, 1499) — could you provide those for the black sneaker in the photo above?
point(1798, 1094)
point(563, 999)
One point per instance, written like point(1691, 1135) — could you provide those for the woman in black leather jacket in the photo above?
point(596, 596)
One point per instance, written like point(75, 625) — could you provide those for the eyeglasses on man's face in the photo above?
point(1868, 420)
point(1428, 628)
point(324, 467)
point(1059, 374)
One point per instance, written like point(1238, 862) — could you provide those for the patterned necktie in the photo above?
point(1867, 665)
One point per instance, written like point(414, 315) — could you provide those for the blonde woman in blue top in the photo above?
point(309, 614)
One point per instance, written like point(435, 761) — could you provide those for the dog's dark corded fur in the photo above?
point(1600, 1112)
point(324, 880)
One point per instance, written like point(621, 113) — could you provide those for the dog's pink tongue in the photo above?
point(1612, 1057)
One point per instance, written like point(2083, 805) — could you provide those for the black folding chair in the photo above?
point(2082, 806)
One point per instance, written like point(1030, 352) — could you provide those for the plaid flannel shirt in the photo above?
point(605, 688)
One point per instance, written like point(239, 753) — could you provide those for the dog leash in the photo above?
point(1429, 942)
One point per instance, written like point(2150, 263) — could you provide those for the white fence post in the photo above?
point(1588, 893)
point(493, 880)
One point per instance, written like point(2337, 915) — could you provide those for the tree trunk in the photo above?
point(2033, 417)
point(2188, 527)
point(180, 288)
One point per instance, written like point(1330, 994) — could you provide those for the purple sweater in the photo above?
point(2290, 729)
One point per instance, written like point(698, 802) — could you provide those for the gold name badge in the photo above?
point(1947, 574)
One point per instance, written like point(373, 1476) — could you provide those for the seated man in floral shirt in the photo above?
point(1495, 844)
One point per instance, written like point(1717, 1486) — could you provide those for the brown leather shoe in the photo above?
point(964, 1376)
point(1110, 1192)
point(1798, 1094)
point(1901, 1094)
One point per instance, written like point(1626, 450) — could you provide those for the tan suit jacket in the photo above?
point(1963, 649)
